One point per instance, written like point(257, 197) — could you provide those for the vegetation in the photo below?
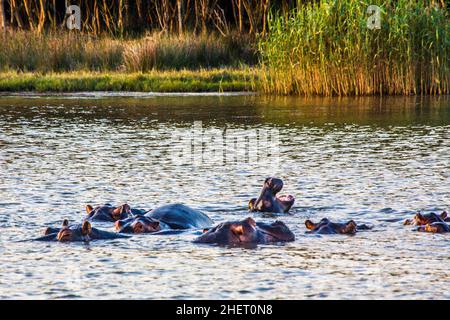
point(326, 48)
point(215, 80)
point(57, 52)
point(302, 47)
point(120, 17)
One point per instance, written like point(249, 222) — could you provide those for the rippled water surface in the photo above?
point(373, 160)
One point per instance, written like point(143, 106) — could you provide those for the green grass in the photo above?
point(327, 49)
point(216, 80)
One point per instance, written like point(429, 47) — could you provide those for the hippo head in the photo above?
point(424, 219)
point(435, 227)
point(246, 231)
point(325, 226)
point(78, 233)
point(268, 199)
point(138, 224)
point(108, 212)
point(277, 231)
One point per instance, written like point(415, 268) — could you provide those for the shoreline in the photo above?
point(173, 81)
point(97, 84)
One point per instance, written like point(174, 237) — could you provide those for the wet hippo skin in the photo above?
point(247, 231)
point(269, 200)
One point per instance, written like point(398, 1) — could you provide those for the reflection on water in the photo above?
point(375, 161)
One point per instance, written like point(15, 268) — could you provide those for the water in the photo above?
point(372, 160)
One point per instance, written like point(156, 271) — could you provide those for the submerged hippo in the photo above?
point(81, 232)
point(247, 231)
point(424, 219)
point(172, 216)
point(110, 213)
point(325, 226)
point(435, 227)
point(268, 200)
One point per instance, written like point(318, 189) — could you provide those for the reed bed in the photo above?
point(327, 49)
point(70, 51)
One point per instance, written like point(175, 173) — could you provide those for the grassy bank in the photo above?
point(64, 62)
point(326, 48)
point(214, 80)
point(312, 48)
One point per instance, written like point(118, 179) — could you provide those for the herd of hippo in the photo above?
point(175, 218)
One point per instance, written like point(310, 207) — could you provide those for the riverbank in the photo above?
point(325, 49)
point(214, 80)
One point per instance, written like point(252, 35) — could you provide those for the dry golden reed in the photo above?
point(327, 49)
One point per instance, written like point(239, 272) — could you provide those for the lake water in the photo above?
point(373, 160)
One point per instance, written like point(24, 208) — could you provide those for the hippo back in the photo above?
point(179, 216)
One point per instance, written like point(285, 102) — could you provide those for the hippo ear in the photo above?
point(237, 229)
point(89, 208)
point(65, 223)
point(350, 227)
point(126, 208)
point(154, 225)
point(309, 224)
point(407, 222)
point(118, 224)
point(250, 221)
point(118, 210)
point(419, 216)
point(251, 204)
point(86, 228)
point(444, 215)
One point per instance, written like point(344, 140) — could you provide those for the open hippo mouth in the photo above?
point(269, 201)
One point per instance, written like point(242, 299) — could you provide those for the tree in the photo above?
point(2, 16)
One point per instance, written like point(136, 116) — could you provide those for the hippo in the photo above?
point(434, 227)
point(268, 201)
point(111, 214)
point(325, 226)
point(424, 219)
point(169, 217)
point(247, 231)
point(80, 232)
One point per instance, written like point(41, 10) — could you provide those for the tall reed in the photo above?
point(189, 51)
point(68, 51)
point(327, 49)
